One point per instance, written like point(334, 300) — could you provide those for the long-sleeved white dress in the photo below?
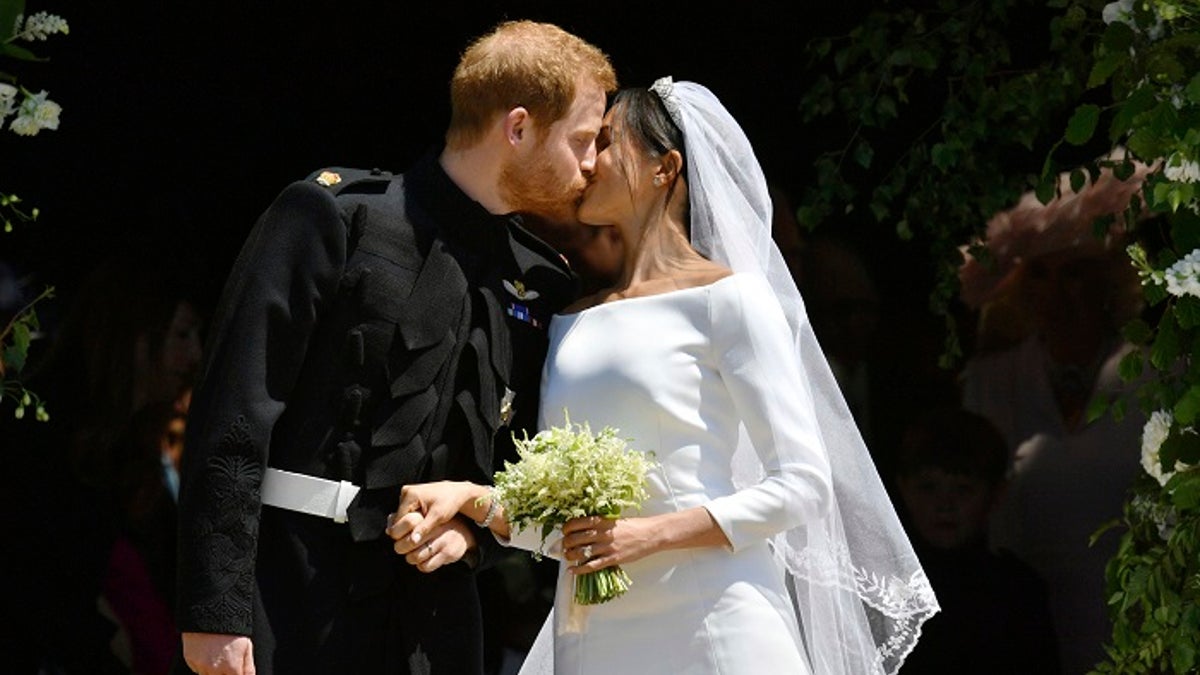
point(676, 374)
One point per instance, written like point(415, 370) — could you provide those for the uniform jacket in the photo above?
point(378, 329)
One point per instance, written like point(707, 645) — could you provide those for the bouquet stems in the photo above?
point(594, 588)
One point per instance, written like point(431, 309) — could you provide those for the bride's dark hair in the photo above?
point(643, 116)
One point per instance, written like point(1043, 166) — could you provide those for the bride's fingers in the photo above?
point(577, 539)
point(410, 500)
point(595, 559)
point(586, 523)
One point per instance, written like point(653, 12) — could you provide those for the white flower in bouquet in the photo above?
point(569, 472)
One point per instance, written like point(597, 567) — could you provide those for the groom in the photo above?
point(378, 330)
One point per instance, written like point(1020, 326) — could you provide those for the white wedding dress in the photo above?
point(677, 374)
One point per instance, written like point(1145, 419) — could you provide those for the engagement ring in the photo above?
point(587, 552)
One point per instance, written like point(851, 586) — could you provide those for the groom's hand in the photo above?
point(216, 654)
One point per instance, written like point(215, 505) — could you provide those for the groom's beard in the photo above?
point(533, 188)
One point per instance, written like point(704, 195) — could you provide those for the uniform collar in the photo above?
point(460, 219)
point(468, 224)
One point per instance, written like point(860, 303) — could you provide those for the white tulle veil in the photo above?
point(859, 590)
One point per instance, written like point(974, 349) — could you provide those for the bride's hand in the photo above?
point(426, 507)
point(593, 543)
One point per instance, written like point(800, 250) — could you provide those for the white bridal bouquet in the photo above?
point(568, 472)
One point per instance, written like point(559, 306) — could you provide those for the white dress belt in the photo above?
point(307, 494)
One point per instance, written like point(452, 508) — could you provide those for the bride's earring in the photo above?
point(658, 181)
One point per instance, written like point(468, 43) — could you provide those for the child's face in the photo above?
point(948, 510)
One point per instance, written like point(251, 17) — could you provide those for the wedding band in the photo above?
point(587, 552)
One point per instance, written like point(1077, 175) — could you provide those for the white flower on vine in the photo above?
point(1164, 517)
point(1183, 277)
point(1122, 11)
point(1157, 428)
point(8, 100)
point(41, 26)
point(1156, 431)
point(1182, 170)
point(36, 113)
point(1175, 94)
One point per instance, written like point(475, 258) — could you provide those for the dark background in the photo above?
point(181, 121)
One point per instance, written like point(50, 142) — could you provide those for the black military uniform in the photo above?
point(375, 329)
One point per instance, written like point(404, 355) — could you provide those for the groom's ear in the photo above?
point(517, 125)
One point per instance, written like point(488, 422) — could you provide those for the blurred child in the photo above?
point(995, 619)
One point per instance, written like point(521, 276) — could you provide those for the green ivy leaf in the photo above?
point(1183, 654)
point(1188, 406)
point(1185, 489)
point(1118, 409)
point(1192, 91)
point(16, 353)
point(1166, 345)
point(1187, 311)
point(1172, 195)
point(880, 211)
point(1046, 189)
point(9, 11)
point(1185, 230)
point(1180, 446)
point(1082, 124)
point(808, 216)
point(1142, 99)
point(886, 107)
point(1138, 332)
point(1078, 180)
point(13, 359)
point(1096, 409)
point(1130, 367)
point(1124, 170)
point(944, 157)
point(1155, 294)
point(1104, 68)
point(1118, 37)
point(863, 154)
point(924, 59)
point(1162, 615)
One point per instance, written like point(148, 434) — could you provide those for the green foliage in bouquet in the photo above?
point(568, 472)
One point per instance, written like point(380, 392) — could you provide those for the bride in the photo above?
point(768, 543)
